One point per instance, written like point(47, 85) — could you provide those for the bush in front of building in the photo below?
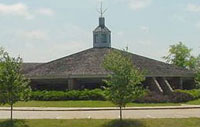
point(174, 97)
point(195, 93)
point(96, 94)
point(152, 97)
point(178, 96)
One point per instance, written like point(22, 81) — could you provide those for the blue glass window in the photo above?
point(103, 38)
point(95, 38)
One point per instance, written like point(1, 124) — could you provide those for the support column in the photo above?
point(168, 85)
point(181, 83)
point(71, 84)
point(158, 85)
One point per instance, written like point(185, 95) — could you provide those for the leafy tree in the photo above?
point(13, 85)
point(180, 55)
point(197, 78)
point(197, 68)
point(124, 84)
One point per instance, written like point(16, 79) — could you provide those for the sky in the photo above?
point(44, 30)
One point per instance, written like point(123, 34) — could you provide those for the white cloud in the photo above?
point(180, 18)
point(34, 35)
point(193, 7)
point(144, 29)
point(133, 4)
point(21, 9)
point(18, 9)
point(198, 25)
point(46, 11)
point(144, 42)
point(139, 4)
point(30, 44)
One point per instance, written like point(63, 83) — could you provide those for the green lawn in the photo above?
point(83, 104)
point(195, 102)
point(93, 104)
point(190, 122)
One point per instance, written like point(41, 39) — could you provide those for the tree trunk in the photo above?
point(120, 113)
point(11, 112)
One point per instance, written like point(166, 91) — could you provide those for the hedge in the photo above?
point(175, 97)
point(195, 93)
point(178, 96)
point(96, 94)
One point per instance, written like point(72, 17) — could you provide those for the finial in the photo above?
point(101, 11)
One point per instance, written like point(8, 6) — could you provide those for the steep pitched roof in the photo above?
point(100, 29)
point(89, 63)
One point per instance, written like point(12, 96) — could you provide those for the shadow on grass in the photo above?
point(124, 123)
point(15, 123)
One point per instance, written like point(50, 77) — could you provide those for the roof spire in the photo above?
point(101, 35)
point(101, 11)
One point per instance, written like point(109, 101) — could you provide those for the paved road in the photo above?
point(103, 114)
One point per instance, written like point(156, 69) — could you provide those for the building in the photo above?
point(84, 69)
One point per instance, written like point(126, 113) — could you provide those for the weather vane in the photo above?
point(101, 11)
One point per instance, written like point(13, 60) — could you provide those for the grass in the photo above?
point(84, 104)
point(194, 102)
point(92, 104)
point(189, 122)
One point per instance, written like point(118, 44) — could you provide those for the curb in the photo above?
point(99, 109)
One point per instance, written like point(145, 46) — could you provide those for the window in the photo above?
point(109, 38)
point(103, 38)
point(95, 38)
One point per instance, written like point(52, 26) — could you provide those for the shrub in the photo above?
point(195, 93)
point(175, 97)
point(153, 97)
point(96, 94)
point(178, 96)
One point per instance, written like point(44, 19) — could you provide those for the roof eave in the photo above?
point(101, 76)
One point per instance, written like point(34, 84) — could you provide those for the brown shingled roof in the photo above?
point(89, 63)
point(26, 67)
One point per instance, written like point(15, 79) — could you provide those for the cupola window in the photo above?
point(103, 38)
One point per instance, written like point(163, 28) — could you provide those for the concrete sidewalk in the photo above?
point(98, 109)
point(103, 113)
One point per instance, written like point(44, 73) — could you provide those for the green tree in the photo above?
point(180, 55)
point(197, 79)
point(13, 85)
point(197, 68)
point(124, 84)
